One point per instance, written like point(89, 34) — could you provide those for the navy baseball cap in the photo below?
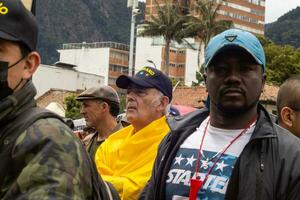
point(235, 38)
point(18, 24)
point(148, 77)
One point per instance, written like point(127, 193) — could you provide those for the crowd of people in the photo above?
point(230, 149)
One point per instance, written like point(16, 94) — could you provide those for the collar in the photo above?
point(13, 105)
point(116, 128)
point(264, 127)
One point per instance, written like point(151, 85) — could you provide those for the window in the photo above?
point(118, 68)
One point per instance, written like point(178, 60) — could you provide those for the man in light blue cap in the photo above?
point(234, 150)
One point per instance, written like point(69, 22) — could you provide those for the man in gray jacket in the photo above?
point(233, 151)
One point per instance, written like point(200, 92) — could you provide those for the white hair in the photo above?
point(157, 99)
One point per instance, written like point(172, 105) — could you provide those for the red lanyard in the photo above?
point(195, 183)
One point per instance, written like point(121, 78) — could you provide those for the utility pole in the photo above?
point(133, 4)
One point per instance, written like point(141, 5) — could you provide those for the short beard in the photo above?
point(234, 112)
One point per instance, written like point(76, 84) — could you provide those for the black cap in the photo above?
point(18, 24)
point(148, 77)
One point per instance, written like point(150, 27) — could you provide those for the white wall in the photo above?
point(89, 60)
point(146, 51)
point(191, 66)
point(51, 77)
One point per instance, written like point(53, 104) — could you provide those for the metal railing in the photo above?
point(94, 45)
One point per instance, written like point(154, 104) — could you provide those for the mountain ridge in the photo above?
point(78, 21)
point(286, 30)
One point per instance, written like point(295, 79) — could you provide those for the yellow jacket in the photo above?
point(126, 159)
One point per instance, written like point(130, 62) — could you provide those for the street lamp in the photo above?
point(134, 12)
point(150, 61)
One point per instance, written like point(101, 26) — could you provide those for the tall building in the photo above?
point(107, 59)
point(182, 59)
point(247, 15)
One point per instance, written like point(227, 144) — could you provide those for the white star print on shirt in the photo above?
point(178, 160)
point(190, 160)
point(205, 164)
point(178, 182)
point(221, 165)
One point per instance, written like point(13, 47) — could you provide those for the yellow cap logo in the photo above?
point(149, 71)
point(3, 9)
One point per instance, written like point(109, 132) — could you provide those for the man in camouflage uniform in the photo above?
point(45, 161)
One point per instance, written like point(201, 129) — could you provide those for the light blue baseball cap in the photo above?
point(235, 38)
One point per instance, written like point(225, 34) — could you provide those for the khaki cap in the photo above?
point(103, 92)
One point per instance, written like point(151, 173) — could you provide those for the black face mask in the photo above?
point(5, 90)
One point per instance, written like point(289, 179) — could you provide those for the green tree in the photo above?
point(72, 107)
point(168, 23)
point(122, 102)
point(199, 77)
point(283, 61)
point(204, 25)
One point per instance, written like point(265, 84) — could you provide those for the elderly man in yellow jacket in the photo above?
point(126, 158)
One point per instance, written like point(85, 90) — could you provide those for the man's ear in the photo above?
point(264, 78)
point(164, 102)
point(32, 61)
point(286, 116)
point(105, 106)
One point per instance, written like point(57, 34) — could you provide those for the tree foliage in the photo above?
point(282, 61)
point(204, 26)
point(168, 23)
point(122, 102)
point(199, 77)
point(72, 107)
point(205, 23)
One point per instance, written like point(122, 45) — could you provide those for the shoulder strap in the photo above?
point(25, 119)
point(12, 131)
point(9, 135)
point(31, 115)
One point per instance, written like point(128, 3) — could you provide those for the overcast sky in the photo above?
point(276, 8)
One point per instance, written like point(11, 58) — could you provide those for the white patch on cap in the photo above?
point(230, 38)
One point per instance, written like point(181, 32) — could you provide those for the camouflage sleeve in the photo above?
point(53, 164)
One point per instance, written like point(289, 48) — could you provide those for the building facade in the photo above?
point(107, 59)
point(49, 77)
point(183, 65)
point(247, 15)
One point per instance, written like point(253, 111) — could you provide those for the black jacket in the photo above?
point(268, 167)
